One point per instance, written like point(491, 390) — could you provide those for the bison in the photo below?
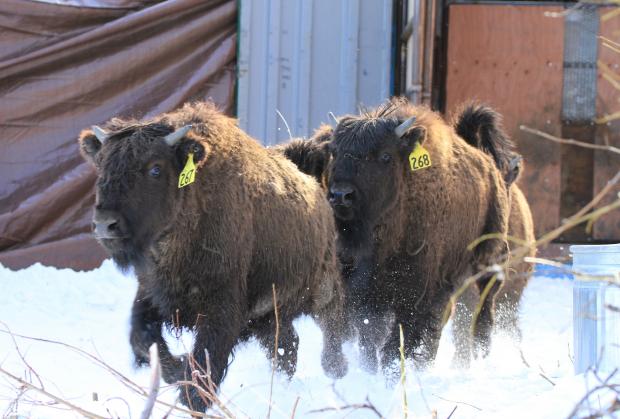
point(206, 254)
point(404, 227)
point(481, 127)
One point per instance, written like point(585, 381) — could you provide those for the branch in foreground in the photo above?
point(458, 402)
point(154, 387)
point(57, 399)
point(368, 405)
point(131, 385)
point(569, 141)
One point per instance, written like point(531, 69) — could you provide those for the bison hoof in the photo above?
point(172, 369)
point(461, 359)
point(140, 360)
point(287, 366)
point(334, 365)
point(192, 398)
point(482, 350)
point(369, 360)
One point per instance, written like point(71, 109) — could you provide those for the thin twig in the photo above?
point(481, 300)
point(458, 402)
point(403, 376)
point(451, 413)
point(290, 136)
point(367, 405)
point(608, 187)
point(19, 353)
point(131, 385)
point(611, 279)
point(275, 351)
point(569, 141)
point(154, 385)
point(295, 407)
point(57, 399)
point(543, 375)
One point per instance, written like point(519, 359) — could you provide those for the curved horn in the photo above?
point(174, 137)
point(99, 133)
point(404, 127)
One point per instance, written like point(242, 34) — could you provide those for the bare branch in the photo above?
point(275, 349)
point(458, 402)
point(154, 386)
point(569, 141)
point(367, 405)
point(57, 399)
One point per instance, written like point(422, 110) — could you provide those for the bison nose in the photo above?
point(343, 195)
point(107, 225)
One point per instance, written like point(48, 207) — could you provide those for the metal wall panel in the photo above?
point(580, 55)
point(307, 58)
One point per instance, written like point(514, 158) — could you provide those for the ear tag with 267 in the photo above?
point(188, 174)
point(419, 158)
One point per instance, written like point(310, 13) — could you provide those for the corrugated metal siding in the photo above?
point(307, 58)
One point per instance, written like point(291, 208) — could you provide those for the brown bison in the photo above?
point(206, 254)
point(481, 127)
point(403, 227)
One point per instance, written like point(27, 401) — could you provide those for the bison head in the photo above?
point(138, 167)
point(369, 160)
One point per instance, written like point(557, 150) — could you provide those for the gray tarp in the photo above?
point(66, 67)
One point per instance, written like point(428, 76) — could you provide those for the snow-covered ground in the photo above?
point(90, 310)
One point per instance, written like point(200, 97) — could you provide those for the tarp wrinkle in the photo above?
point(66, 67)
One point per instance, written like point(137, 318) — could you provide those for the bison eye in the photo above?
point(385, 158)
point(155, 171)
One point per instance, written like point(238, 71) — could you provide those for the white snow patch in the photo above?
point(90, 310)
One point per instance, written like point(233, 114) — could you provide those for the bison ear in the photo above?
point(413, 136)
point(89, 144)
point(513, 170)
point(186, 146)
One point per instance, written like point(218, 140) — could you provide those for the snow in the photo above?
point(90, 310)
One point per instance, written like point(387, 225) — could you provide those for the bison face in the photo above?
point(369, 161)
point(137, 173)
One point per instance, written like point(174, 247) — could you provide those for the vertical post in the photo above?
point(578, 113)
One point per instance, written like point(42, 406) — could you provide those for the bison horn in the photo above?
point(173, 138)
point(404, 127)
point(99, 133)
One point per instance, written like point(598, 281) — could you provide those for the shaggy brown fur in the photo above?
point(309, 155)
point(404, 238)
point(207, 255)
point(481, 126)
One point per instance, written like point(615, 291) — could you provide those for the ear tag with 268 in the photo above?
point(188, 174)
point(419, 158)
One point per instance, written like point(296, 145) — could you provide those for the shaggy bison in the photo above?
point(206, 254)
point(481, 127)
point(408, 196)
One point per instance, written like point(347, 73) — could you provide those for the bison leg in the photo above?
point(507, 303)
point(484, 321)
point(373, 329)
point(461, 326)
point(146, 327)
point(390, 352)
point(421, 341)
point(207, 365)
point(288, 343)
point(333, 324)
point(368, 352)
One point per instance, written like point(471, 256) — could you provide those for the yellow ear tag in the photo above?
point(419, 158)
point(188, 175)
